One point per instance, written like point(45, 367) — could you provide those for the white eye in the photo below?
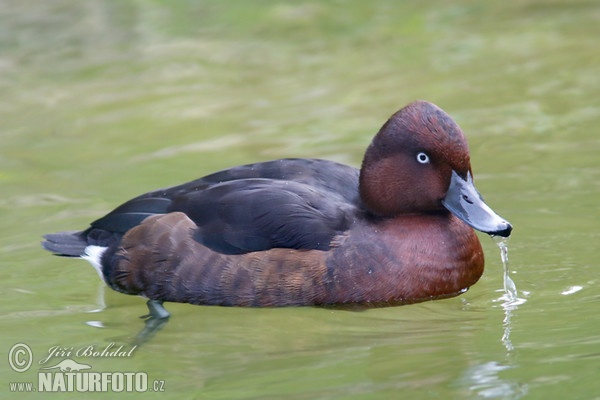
point(423, 158)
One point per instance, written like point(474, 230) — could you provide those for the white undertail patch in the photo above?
point(93, 254)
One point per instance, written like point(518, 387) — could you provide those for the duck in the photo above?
point(305, 232)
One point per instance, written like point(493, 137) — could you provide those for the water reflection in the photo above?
point(484, 379)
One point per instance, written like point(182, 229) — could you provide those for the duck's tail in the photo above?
point(67, 244)
point(74, 243)
point(88, 245)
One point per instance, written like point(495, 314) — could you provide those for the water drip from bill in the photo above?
point(510, 298)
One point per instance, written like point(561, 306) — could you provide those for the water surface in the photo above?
point(103, 100)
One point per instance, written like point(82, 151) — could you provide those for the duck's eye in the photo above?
point(423, 158)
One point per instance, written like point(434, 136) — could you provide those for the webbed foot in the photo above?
point(156, 310)
point(157, 317)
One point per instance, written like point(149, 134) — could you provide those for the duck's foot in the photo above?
point(156, 319)
point(156, 310)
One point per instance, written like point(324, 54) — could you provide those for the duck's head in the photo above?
point(419, 163)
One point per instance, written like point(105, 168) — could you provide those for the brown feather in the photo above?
point(160, 260)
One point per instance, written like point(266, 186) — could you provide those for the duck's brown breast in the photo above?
point(407, 259)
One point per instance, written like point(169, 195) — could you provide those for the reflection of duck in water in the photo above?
point(306, 231)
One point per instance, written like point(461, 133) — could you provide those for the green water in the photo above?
point(103, 100)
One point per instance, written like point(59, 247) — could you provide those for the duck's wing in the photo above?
point(249, 215)
point(290, 203)
point(321, 174)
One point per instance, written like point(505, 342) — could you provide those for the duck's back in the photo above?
point(286, 203)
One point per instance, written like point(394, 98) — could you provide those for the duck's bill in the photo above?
point(464, 201)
